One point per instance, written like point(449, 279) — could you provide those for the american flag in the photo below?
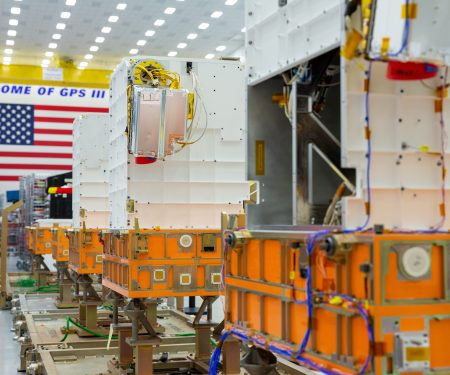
point(37, 138)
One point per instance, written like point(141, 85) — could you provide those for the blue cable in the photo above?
point(405, 33)
point(215, 358)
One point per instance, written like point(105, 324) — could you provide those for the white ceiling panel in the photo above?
point(38, 19)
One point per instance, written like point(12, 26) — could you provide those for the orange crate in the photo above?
point(39, 240)
point(85, 251)
point(60, 244)
point(265, 297)
point(151, 263)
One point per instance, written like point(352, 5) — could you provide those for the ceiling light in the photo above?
point(8, 51)
point(65, 14)
point(210, 56)
point(159, 22)
point(106, 30)
point(170, 10)
point(83, 64)
point(15, 10)
point(10, 42)
point(56, 36)
point(48, 54)
point(216, 14)
point(149, 33)
point(6, 62)
point(44, 65)
point(134, 51)
point(45, 61)
point(13, 22)
point(221, 48)
point(7, 59)
point(81, 67)
point(230, 2)
point(181, 45)
point(192, 36)
point(12, 33)
point(99, 39)
point(71, 3)
point(113, 18)
point(172, 53)
point(88, 56)
point(60, 26)
point(52, 45)
point(141, 42)
point(244, 29)
point(121, 6)
point(203, 26)
point(93, 49)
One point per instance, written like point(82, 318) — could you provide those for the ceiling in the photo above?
point(38, 19)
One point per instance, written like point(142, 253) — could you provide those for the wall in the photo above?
point(36, 118)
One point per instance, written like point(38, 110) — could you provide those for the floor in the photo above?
point(9, 348)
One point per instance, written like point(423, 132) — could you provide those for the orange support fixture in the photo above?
point(401, 281)
point(165, 263)
point(85, 251)
point(39, 240)
point(60, 244)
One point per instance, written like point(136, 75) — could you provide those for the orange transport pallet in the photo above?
point(165, 263)
point(39, 240)
point(399, 286)
point(60, 244)
point(85, 251)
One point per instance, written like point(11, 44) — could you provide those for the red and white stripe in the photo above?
point(52, 149)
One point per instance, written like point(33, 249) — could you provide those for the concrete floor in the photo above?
point(9, 349)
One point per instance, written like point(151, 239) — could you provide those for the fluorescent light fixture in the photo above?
point(10, 42)
point(149, 33)
point(134, 51)
point(7, 58)
point(192, 36)
point(181, 45)
point(113, 19)
point(15, 10)
point(88, 56)
point(12, 32)
point(45, 61)
point(8, 51)
point(221, 48)
point(65, 15)
point(99, 39)
point(81, 67)
point(83, 64)
point(52, 45)
point(93, 49)
point(71, 3)
point(44, 65)
point(230, 2)
point(106, 30)
point(56, 36)
point(141, 42)
point(210, 56)
point(203, 26)
point(243, 30)
point(13, 22)
point(170, 10)
point(121, 6)
point(172, 53)
point(159, 22)
point(216, 14)
point(60, 26)
point(49, 54)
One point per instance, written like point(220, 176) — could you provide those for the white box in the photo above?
point(191, 188)
point(90, 171)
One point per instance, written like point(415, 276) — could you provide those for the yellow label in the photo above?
point(410, 11)
point(414, 354)
point(260, 162)
point(424, 148)
point(292, 275)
